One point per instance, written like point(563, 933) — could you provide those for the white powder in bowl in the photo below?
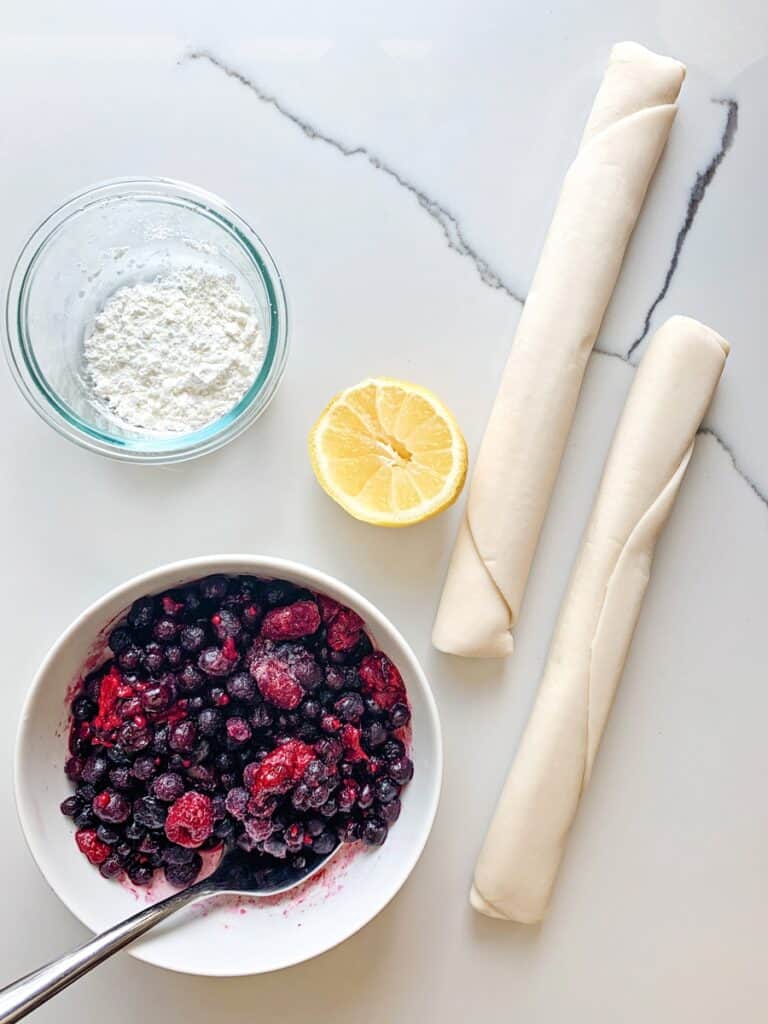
point(176, 353)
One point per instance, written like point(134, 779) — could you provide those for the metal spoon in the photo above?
point(235, 875)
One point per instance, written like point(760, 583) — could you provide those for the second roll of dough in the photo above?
point(649, 455)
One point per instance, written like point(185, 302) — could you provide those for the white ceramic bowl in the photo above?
point(227, 936)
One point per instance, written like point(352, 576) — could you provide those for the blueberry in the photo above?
point(261, 717)
point(335, 679)
point(73, 767)
point(209, 720)
point(95, 768)
point(201, 752)
point(374, 831)
point(142, 613)
point(149, 813)
point(374, 735)
point(164, 630)
point(225, 762)
point(275, 847)
point(148, 845)
point(325, 843)
point(85, 818)
point(329, 808)
point(83, 709)
point(168, 787)
point(192, 638)
point(311, 710)
point(214, 661)
point(86, 792)
point(174, 655)
point(213, 588)
point(238, 730)
point(350, 707)
point(144, 768)
point(130, 658)
point(70, 806)
point(277, 592)
point(190, 679)
point(182, 736)
point(372, 709)
point(108, 835)
point(160, 740)
point(366, 796)
point(134, 832)
point(203, 776)
point(392, 750)
point(118, 756)
point(121, 777)
point(226, 624)
point(120, 639)
point(386, 790)
point(399, 715)
point(390, 812)
point(134, 738)
point(236, 802)
point(173, 854)
point(182, 875)
point(140, 874)
point(111, 806)
point(111, 867)
point(300, 796)
point(241, 687)
point(153, 657)
point(349, 830)
point(224, 829)
point(158, 697)
point(196, 703)
point(401, 770)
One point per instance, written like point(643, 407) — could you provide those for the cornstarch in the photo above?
point(174, 354)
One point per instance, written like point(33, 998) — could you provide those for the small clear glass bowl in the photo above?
point(121, 233)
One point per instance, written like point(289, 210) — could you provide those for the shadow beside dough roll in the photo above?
point(651, 449)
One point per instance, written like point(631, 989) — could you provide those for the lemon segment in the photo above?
point(389, 452)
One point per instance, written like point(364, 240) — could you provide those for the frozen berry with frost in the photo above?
point(89, 843)
point(291, 622)
point(381, 681)
point(190, 820)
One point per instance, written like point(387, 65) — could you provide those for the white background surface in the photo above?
point(661, 905)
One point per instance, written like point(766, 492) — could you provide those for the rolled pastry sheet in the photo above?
point(524, 441)
point(650, 452)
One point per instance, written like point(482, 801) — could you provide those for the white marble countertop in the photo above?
point(402, 161)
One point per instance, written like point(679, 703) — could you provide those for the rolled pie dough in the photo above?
point(528, 428)
point(650, 451)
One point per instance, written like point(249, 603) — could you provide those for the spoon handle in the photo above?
point(22, 996)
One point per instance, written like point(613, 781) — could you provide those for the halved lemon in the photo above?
point(389, 452)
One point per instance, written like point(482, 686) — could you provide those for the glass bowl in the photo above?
point(122, 233)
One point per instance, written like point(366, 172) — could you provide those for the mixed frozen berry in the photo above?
point(237, 712)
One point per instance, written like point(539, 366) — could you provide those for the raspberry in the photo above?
point(190, 820)
point(291, 622)
point(381, 681)
point(90, 844)
point(282, 768)
point(344, 630)
point(328, 607)
point(350, 737)
point(277, 684)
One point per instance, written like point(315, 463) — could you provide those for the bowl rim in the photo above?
point(205, 565)
point(153, 450)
